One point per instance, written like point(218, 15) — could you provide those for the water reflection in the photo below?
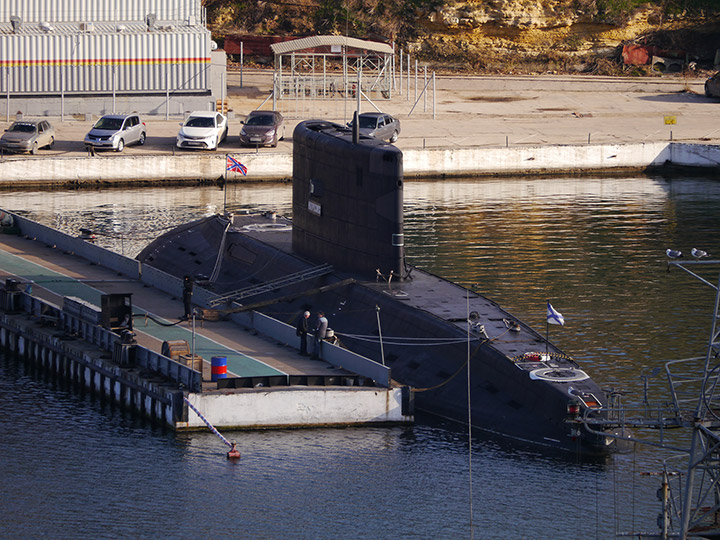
point(594, 247)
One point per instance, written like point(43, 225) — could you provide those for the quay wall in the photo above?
point(298, 407)
point(86, 355)
point(90, 367)
point(418, 163)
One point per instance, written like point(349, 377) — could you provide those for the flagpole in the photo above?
point(547, 327)
point(225, 187)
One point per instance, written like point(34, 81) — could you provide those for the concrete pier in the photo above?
point(511, 125)
point(418, 163)
point(50, 314)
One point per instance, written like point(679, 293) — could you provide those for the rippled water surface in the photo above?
point(75, 467)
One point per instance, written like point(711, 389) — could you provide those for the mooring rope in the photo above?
point(207, 422)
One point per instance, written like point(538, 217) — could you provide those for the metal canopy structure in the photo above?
point(328, 67)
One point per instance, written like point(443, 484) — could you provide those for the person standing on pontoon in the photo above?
point(319, 335)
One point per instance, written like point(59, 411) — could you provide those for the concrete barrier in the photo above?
point(694, 155)
point(533, 159)
point(331, 354)
point(106, 258)
point(126, 168)
point(281, 407)
point(526, 160)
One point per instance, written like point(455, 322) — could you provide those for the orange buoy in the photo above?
point(233, 453)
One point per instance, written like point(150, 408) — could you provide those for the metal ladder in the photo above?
point(275, 284)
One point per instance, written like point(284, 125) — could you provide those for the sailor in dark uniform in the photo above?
point(302, 332)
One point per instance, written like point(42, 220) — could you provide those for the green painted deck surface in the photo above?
point(238, 363)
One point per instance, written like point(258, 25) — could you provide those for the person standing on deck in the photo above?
point(319, 336)
point(302, 332)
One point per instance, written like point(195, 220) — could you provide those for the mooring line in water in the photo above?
point(469, 405)
point(207, 422)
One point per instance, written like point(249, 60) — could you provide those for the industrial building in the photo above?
point(100, 56)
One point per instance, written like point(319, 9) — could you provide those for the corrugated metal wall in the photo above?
point(106, 62)
point(100, 10)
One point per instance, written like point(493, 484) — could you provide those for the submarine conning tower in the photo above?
point(347, 199)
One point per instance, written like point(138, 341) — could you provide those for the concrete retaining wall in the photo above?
point(525, 160)
point(108, 167)
point(532, 159)
point(695, 155)
point(298, 407)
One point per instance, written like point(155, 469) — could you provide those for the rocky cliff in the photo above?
point(502, 36)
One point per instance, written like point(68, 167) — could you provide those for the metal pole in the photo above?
point(407, 95)
point(114, 85)
point(382, 351)
point(192, 361)
point(357, 93)
point(7, 90)
point(222, 93)
point(416, 81)
point(62, 94)
point(167, 91)
point(425, 85)
point(242, 59)
point(433, 95)
point(401, 71)
point(274, 92)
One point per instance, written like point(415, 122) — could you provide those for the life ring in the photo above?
point(558, 375)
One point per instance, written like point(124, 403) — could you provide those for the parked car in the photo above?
point(262, 127)
point(28, 136)
point(379, 125)
point(203, 129)
point(712, 86)
point(115, 131)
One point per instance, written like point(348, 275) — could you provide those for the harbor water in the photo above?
point(77, 467)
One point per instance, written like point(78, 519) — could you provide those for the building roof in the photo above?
point(310, 42)
point(72, 28)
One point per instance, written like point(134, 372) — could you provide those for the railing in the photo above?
point(106, 339)
point(163, 281)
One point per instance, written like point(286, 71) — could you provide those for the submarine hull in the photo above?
point(435, 334)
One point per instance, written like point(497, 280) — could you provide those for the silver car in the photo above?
point(28, 136)
point(379, 125)
point(115, 131)
point(712, 86)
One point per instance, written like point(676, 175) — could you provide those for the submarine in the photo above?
point(343, 253)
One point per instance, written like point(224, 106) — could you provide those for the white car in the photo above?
point(203, 129)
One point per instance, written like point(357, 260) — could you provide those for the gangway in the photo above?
point(273, 285)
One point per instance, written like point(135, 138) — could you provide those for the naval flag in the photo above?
point(554, 317)
point(234, 165)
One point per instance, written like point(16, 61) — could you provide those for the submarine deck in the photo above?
point(430, 293)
